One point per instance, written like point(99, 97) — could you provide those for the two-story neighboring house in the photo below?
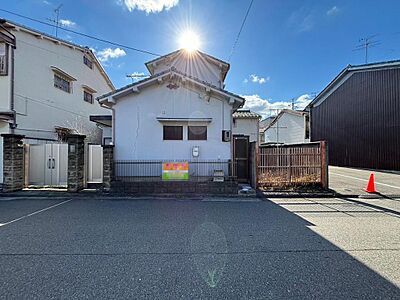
point(181, 112)
point(48, 86)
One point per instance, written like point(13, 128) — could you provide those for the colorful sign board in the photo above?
point(175, 171)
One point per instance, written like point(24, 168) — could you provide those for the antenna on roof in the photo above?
point(57, 16)
point(366, 43)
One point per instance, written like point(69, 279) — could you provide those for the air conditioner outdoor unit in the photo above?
point(226, 135)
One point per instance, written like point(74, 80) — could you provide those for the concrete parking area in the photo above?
point(214, 248)
point(354, 181)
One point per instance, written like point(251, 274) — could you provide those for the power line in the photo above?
point(50, 105)
point(240, 30)
point(82, 34)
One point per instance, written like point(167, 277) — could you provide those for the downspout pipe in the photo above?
point(12, 100)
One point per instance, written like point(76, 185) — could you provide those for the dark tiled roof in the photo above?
point(245, 114)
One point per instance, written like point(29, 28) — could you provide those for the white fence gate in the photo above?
point(48, 164)
point(95, 164)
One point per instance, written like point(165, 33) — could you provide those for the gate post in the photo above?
point(13, 162)
point(76, 162)
point(324, 165)
point(108, 165)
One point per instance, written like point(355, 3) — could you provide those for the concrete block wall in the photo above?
point(176, 187)
point(76, 162)
point(13, 162)
point(108, 159)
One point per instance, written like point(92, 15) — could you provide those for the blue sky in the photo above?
point(287, 49)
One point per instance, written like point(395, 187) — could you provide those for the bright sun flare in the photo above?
point(189, 41)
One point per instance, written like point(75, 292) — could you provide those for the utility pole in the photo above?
point(277, 127)
point(57, 17)
point(365, 44)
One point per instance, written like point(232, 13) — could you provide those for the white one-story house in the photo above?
point(246, 122)
point(288, 127)
point(180, 113)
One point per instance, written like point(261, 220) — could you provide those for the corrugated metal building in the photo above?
point(358, 114)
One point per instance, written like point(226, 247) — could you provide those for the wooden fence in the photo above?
point(293, 165)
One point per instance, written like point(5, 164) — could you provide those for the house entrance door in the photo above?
point(48, 164)
point(241, 157)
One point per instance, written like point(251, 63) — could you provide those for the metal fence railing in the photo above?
point(151, 170)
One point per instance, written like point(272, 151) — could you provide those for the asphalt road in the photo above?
point(192, 249)
point(354, 181)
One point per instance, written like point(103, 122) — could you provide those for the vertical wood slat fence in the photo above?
point(293, 165)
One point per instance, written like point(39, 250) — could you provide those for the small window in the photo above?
point(88, 97)
point(62, 83)
point(173, 133)
point(3, 59)
point(198, 133)
point(87, 61)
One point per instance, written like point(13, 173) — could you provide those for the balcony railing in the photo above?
point(151, 170)
point(3, 65)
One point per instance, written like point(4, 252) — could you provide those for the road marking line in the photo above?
point(34, 213)
point(366, 180)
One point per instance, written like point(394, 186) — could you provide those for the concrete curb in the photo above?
point(112, 195)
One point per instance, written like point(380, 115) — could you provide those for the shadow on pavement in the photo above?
point(178, 249)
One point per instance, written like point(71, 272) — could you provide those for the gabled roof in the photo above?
point(245, 114)
point(285, 111)
point(265, 122)
point(346, 73)
point(13, 25)
point(159, 78)
point(224, 65)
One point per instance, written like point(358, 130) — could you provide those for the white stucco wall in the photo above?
point(247, 127)
point(193, 64)
point(39, 105)
point(288, 130)
point(106, 133)
point(5, 86)
point(139, 135)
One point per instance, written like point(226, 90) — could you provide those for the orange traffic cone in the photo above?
point(371, 184)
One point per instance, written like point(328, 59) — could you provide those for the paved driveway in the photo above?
point(191, 249)
point(353, 181)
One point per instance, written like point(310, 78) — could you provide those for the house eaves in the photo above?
point(345, 74)
point(110, 99)
point(41, 35)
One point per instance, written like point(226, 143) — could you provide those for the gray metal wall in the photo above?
point(361, 121)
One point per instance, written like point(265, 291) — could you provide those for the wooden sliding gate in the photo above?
point(293, 165)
